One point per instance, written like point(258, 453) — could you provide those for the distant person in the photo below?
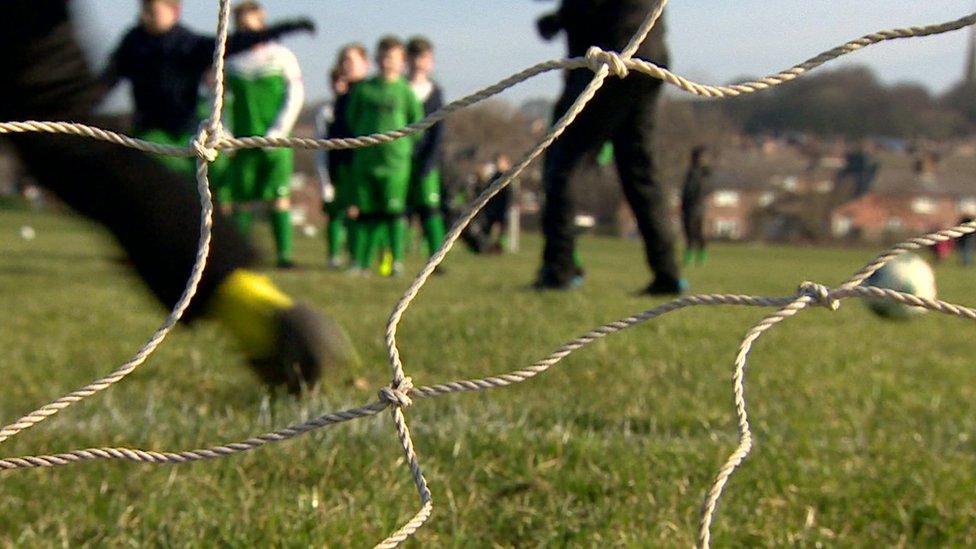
point(152, 212)
point(694, 192)
point(622, 112)
point(323, 119)
point(857, 176)
point(486, 232)
point(966, 243)
point(382, 172)
point(941, 250)
point(266, 82)
point(497, 209)
point(166, 62)
point(352, 67)
point(425, 180)
point(335, 232)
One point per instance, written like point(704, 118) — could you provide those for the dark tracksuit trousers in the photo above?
point(693, 223)
point(623, 111)
point(693, 194)
point(152, 212)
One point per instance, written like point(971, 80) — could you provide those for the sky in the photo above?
point(482, 41)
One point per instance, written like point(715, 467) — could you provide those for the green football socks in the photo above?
point(283, 234)
point(434, 232)
point(336, 235)
point(397, 228)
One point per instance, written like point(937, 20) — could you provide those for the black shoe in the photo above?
point(666, 288)
point(305, 343)
point(547, 280)
point(286, 265)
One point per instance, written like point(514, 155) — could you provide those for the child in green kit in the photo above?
point(352, 67)
point(425, 182)
point(266, 83)
point(381, 173)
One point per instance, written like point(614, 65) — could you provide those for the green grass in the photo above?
point(864, 428)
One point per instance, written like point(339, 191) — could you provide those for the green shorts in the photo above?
point(382, 195)
point(257, 174)
point(180, 164)
point(425, 191)
point(187, 166)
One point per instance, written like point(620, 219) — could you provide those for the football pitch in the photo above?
point(865, 429)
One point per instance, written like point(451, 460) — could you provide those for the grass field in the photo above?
point(864, 428)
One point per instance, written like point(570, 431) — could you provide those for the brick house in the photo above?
point(747, 181)
point(911, 196)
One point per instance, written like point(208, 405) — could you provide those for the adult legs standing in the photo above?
point(622, 111)
point(590, 130)
point(633, 147)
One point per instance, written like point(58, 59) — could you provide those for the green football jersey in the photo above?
point(266, 85)
point(377, 105)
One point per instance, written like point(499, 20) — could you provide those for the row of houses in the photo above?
point(780, 191)
point(769, 189)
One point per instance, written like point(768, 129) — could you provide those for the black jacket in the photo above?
point(609, 24)
point(340, 128)
point(165, 70)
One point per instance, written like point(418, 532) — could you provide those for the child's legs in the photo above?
point(394, 198)
point(426, 200)
point(277, 166)
point(242, 188)
point(368, 201)
point(336, 230)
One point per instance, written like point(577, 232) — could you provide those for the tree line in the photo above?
point(853, 102)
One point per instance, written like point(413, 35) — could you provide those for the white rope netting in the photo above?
point(401, 393)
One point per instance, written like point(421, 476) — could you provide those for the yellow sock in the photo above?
point(246, 304)
point(386, 264)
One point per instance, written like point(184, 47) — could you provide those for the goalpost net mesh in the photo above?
point(210, 141)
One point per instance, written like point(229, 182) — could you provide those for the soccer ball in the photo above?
point(27, 232)
point(906, 273)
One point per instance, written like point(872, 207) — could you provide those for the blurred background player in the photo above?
point(381, 173)
point(966, 243)
point(424, 197)
point(694, 191)
point(153, 212)
point(266, 83)
point(622, 112)
point(335, 228)
point(487, 231)
point(219, 168)
point(351, 68)
point(166, 63)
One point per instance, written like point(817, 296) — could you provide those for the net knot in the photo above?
point(596, 58)
point(205, 143)
point(820, 295)
point(398, 394)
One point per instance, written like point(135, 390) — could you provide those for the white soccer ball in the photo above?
point(906, 273)
point(27, 232)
